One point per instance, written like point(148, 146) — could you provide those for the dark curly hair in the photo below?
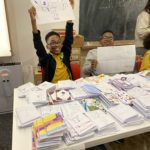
point(146, 41)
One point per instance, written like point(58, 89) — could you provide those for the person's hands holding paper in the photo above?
point(93, 64)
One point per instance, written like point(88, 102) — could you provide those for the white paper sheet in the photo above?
point(51, 11)
point(115, 59)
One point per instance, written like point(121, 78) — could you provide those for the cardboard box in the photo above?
point(78, 41)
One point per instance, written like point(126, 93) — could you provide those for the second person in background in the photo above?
point(89, 67)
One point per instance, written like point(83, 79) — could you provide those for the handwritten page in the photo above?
point(115, 59)
point(51, 11)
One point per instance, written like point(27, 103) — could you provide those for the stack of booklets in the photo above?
point(66, 85)
point(59, 96)
point(91, 104)
point(121, 82)
point(50, 109)
point(96, 80)
point(140, 80)
point(104, 123)
point(137, 92)
point(124, 97)
point(142, 104)
point(91, 90)
point(48, 131)
point(37, 97)
point(63, 95)
point(107, 94)
point(78, 94)
point(81, 81)
point(24, 89)
point(26, 115)
point(85, 91)
point(79, 127)
point(49, 87)
point(126, 115)
point(69, 109)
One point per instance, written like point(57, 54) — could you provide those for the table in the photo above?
point(22, 138)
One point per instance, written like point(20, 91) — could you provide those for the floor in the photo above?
point(139, 142)
point(5, 131)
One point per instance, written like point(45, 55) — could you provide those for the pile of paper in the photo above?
point(107, 94)
point(63, 95)
point(81, 81)
point(104, 123)
point(91, 104)
point(91, 90)
point(124, 97)
point(126, 115)
point(48, 131)
point(137, 92)
point(37, 97)
point(85, 91)
point(72, 108)
point(26, 115)
point(24, 89)
point(47, 86)
point(78, 94)
point(66, 85)
point(139, 81)
point(59, 96)
point(142, 104)
point(50, 109)
point(121, 83)
point(96, 79)
point(79, 127)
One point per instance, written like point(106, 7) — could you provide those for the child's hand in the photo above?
point(72, 3)
point(93, 64)
point(32, 12)
point(138, 58)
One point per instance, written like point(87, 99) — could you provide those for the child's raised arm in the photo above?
point(32, 12)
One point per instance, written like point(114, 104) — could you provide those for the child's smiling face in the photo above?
point(54, 44)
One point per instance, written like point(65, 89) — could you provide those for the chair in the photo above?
point(138, 62)
point(75, 68)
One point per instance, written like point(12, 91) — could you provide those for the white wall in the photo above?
point(21, 34)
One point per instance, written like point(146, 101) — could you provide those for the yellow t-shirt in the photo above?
point(61, 72)
point(146, 61)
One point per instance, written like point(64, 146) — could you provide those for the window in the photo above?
point(5, 49)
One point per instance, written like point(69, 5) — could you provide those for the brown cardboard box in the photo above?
point(78, 41)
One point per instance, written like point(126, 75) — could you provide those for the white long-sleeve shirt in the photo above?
point(92, 54)
point(142, 28)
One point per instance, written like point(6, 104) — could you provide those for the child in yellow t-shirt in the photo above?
point(146, 59)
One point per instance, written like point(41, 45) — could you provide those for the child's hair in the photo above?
point(106, 32)
point(51, 34)
point(146, 41)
